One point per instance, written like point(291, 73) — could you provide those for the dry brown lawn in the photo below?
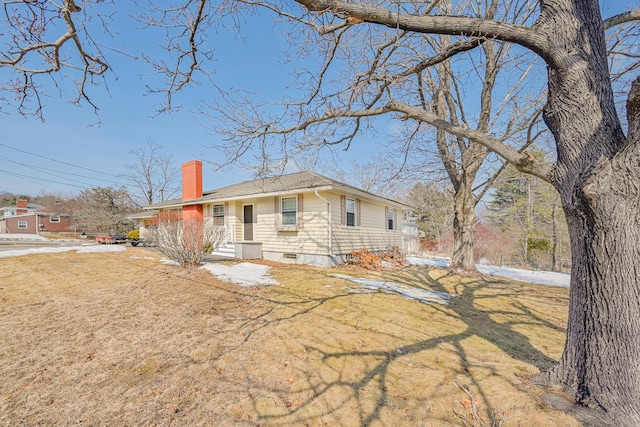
point(120, 339)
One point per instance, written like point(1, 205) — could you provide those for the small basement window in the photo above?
point(290, 256)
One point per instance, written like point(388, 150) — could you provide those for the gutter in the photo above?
point(211, 198)
point(330, 222)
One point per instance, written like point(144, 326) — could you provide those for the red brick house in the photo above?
point(32, 219)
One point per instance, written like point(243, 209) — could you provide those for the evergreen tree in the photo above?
point(529, 210)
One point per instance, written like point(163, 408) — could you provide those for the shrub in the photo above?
point(186, 241)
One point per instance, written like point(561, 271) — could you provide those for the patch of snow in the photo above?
point(21, 236)
point(537, 277)
point(434, 262)
point(243, 274)
point(86, 249)
point(248, 274)
point(59, 249)
point(169, 261)
point(421, 295)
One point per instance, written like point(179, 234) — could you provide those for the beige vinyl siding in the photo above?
point(235, 219)
point(311, 236)
point(374, 239)
point(372, 232)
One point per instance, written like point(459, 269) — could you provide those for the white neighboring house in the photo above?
point(300, 217)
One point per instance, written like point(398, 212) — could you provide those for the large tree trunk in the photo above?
point(464, 227)
point(598, 177)
point(600, 366)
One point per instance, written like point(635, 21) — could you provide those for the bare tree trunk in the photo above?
point(598, 178)
point(528, 223)
point(464, 227)
point(600, 365)
point(556, 237)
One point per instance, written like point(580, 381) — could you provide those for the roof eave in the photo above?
point(366, 194)
point(208, 199)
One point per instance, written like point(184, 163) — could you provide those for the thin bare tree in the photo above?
point(153, 174)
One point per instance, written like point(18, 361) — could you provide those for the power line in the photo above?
point(58, 161)
point(42, 179)
point(40, 168)
point(8, 190)
point(41, 184)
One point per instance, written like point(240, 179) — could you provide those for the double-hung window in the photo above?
point(390, 217)
point(289, 210)
point(350, 207)
point(22, 224)
point(218, 214)
point(54, 218)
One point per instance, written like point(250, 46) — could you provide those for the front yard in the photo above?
point(122, 339)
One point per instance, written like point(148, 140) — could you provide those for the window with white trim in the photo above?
point(218, 214)
point(54, 218)
point(391, 213)
point(22, 224)
point(289, 210)
point(350, 206)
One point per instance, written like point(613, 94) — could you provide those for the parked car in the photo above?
point(115, 239)
point(120, 238)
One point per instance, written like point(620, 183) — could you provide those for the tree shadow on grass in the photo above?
point(353, 378)
point(169, 345)
point(368, 387)
point(481, 322)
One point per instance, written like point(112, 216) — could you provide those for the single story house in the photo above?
point(26, 218)
point(300, 217)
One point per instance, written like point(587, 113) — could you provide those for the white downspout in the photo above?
point(330, 222)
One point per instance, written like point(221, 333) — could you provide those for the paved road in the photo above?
point(26, 244)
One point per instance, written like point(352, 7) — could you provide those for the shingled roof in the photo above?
point(278, 184)
point(281, 184)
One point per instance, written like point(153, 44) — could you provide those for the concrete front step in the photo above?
point(227, 251)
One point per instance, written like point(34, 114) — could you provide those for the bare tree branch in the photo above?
point(623, 18)
point(452, 25)
point(184, 27)
point(522, 161)
point(30, 54)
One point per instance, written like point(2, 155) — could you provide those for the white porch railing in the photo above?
point(229, 233)
point(212, 229)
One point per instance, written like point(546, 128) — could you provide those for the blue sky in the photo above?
point(77, 154)
point(69, 142)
